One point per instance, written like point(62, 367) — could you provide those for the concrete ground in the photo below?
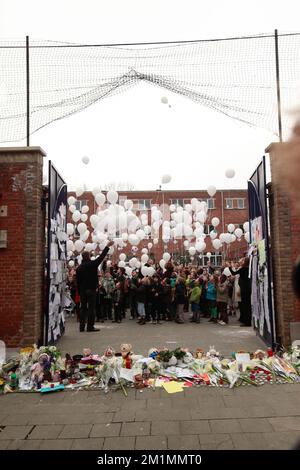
point(247, 417)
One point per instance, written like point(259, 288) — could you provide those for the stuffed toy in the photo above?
point(126, 352)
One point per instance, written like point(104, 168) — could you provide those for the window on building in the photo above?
point(80, 204)
point(211, 203)
point(235, 203)
point(142, 204)
point(208, 228)
point(215, 259)
point(178, 202)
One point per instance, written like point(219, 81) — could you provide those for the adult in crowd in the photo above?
point(87, 283)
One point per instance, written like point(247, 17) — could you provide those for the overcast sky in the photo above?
point(133, 136)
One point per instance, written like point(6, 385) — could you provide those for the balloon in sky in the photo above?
point(230, 173)
point(166, 179)
point(164, 100)
point(85, 160)
point(211, 190)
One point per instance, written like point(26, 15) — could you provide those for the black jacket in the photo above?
point(87, 273)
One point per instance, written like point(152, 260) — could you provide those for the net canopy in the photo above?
point(234, 76)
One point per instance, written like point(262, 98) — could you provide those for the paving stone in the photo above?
point(15, 432)
point(183, 442)
point(122, 416)
point(151, 442)
point(75, 431)
point(119, 443)
point(194, 427)
point(56, 444)
point(134, 405)
point(249, 441)
point(287, 440)
point(88, 444)
point(225, 426)
point(161, 404)
point(16, 419)
point(162, 415)
point(167, 428)
point(216, 442)
point(291, 423)
point(215, 413)
point(46, 432)
point(26, 445)
point(3, 417)
point(255, 425)
point(105, 430)
point(135, 429)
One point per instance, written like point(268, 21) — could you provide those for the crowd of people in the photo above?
point(206, 293)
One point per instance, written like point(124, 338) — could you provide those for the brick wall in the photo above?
point(22, 262)
point(285, 248)
point(226, 216)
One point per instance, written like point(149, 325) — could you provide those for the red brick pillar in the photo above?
point(22, 256)
point(285, 248)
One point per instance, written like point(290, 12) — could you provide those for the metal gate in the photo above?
point(56, 257)
point(260, 260)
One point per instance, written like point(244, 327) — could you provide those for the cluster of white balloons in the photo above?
point(112, 220)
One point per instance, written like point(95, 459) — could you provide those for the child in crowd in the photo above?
point(195, 295)
point(222, 299)
point(211, 297)
point(117, 300)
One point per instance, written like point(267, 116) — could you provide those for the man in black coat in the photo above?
point(87, 282)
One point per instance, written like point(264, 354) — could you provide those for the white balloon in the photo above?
point(155, 226)
point(227, 238)
point(79, 191)
point(166, 257)
point(144, 270)
point(201, 217)
point(238, 232)
point(96, 190)
point(70, 245)
point(166, 179)
point(89, 247)
point(94, 219)
point(215, 221)
point(233, 238)
point(172, 208)
point(72, 208)
point(112, 197)
point(144, 251)
point(81, 228)
point(85, 209)
point(85, 160)
point(76, 216)
point(200, 246)
point(78, 245)
point(151, 271)
point(70, 229)
point(186, 243)
point(229, 173)
point(162, 263)
point(216, 244)
point(122, 257)
point(246, 227)
point(231, 228)
point(133, 239)
point(213, 234)
point(84, 236)
point(199, 231)
point(128, 204)
point(100, 199)
point(132, 262)
point(192, 250)
point(71, 263)
point(84, 217)
point(124, 236)
point(164, 100)
point(222, 237)
point(211, 190)
point(122, 264)
point(71, 200)
point(247, 237)
point(144, 258)
point(155, 241)
point(227, 272)
point(128, 271)
point(208, 254)
point(141, 234)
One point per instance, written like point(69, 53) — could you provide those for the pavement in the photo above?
point(266, 417)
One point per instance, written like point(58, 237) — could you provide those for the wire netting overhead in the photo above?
point(236, 77)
